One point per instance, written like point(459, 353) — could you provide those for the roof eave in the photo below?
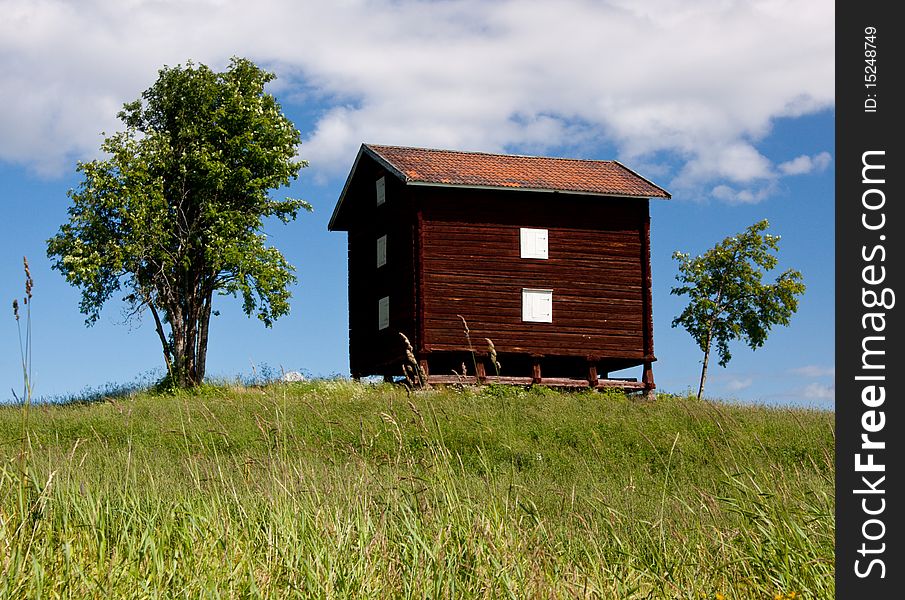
point(666, 195)
point(414, 182)
point(385, 163)
point(331, 226)
point(364, 149)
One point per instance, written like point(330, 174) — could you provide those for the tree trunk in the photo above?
point(709, 341)
point(187, 311)
point(182, 345)
point(177, 333)
point(186, 354)
point(704, 370)
point(191, 343)
point(167, 351)
point(203, 328)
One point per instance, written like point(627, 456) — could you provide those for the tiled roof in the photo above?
point(478, 169)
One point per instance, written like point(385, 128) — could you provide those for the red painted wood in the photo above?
point(648, 299)
point(472, 267)
point(455, 252)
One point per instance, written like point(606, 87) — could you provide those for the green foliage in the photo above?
point(175, 213)
point(727, 298)
point(342, 490)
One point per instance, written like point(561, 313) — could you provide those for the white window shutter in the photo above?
point(540, 243)
point(534, 242)
point(381, 251)
point(381, 191)
point(383, 313)
point(537, 306)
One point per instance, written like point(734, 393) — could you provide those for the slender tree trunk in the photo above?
point(704, 369)
point(176, 317)
point(203, 328)
point(167, 351)
point(709, 341)
point(179, 365)
point(191, 362)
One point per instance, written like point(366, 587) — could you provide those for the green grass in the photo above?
point(337, 490)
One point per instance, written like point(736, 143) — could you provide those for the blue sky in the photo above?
point(729, 105)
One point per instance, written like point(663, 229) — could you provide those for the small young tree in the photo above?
point(175, 214)
point(728, 301)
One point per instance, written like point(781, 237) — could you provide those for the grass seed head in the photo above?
point(29, 282)
point(491, 350)
point(464, 325)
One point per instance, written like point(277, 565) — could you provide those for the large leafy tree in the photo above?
point(727, 297)
point(174, 215)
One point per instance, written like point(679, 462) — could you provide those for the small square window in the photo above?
point(381, 191)
point(537, 306)
point(383, 313)
point(381, 251)
point(533, 242)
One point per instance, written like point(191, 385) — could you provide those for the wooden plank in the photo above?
point(451, 247)
point(503, 241)
point(566, 337)
point(553, 349)
point(526, 333)
point(504, 342)
point(510, 295)
point(499, 272)
point(547, 381)
point(441, 286)
point(509, 311)
point(620, 383)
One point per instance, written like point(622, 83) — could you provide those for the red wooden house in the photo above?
point(549, 258)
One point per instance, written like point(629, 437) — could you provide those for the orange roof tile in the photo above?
point(479, 169)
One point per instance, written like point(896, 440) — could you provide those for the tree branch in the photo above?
point(167, 351)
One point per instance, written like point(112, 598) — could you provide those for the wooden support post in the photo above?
point(535, 371)
point(425, 372)
point(387, 378)
point(480, 371)
point(648, 380)
point(592, 375)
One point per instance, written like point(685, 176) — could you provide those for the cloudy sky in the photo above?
point(729, 105)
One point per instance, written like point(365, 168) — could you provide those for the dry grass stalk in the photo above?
point(491, 350)
point(474, 360)
point(412, 371)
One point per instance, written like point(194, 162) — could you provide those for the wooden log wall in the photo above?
point(373, 351)
point(597, 269)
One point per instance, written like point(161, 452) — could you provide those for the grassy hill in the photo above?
point(334, 489)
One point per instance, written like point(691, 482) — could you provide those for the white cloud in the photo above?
point(732, 195)
point(736, 384)
point(701, 81)
point(805, 164)
point(819, 391)
point(814, 371)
